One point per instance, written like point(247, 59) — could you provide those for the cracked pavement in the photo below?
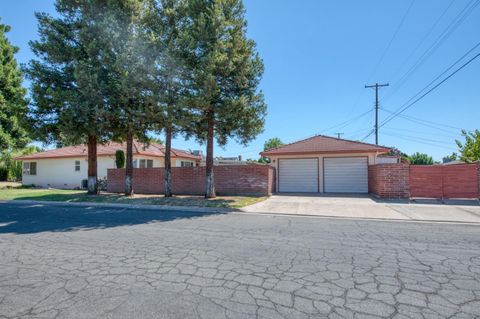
point(90, 262)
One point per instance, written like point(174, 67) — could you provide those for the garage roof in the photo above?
point(153, 149)
point(324, 144)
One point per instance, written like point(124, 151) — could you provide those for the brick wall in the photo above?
point(426, 181)
point(229, 180)
point(432, 181)
point(389, 180)
point(445, 181)
point(478, 178)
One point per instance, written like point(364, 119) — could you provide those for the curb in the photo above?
point(398, 220)
point(128, 206)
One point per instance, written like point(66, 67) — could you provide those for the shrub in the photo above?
point(3, 173)
point(120, 159)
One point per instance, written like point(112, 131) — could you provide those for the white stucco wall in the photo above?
point(60, 172)
point(372, 159)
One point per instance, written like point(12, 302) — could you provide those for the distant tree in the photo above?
point(450, 158)
point(69, 105)
point(224, 74)
point(420, 159)
point(157, 140)
point(272, 143)
point(13, 105)
point(404, 158)
point(268, 145)
point(120, 159)
point(11, 169)
point(470, 149)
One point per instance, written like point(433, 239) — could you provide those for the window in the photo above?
point(77, 166)
point(135, 164)
point(30, 168)
point(186, 164)
point(146, 163)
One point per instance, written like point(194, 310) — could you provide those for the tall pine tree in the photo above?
point(165, 21)
point(69, 104)
point(125, 60)
point(13, 105)
point(225, 74)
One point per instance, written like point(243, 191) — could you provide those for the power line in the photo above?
point(370, 133)
point(403, 109)
point(420, 142)
point(347, 122)
point(401, 129)
point(445, 71)
point(431, 124)
point(457, 21)
point(422, 138)
point(391, 40)
point(407, 105)
point(423, 38)
point(426, 121)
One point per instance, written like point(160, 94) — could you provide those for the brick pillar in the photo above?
point(389, 180)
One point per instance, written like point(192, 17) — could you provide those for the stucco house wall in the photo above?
point(60, 172)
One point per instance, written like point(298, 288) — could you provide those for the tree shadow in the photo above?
point(179, 200)
point(36, 218)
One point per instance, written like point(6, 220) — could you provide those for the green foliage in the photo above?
point(164, 22)
point(470, 149)
point(68, 77)
point(224, 72)
point(450, 158)
point(157, 140)
point(10, 169)
point(272, 143)
point(13, 105)
point(420, 159)
point(404, 158)
point(125, 62)
point(268, 145)
point(120, 159)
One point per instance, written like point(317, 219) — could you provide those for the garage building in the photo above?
point(323, 164)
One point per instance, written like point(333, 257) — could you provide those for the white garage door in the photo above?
point(345, 174)
point(298, 175)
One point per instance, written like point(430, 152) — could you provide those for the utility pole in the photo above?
point(338, 135)
point(376, 86)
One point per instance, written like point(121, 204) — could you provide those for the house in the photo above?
point(67, 167)
point(388, 159)
point(221, 161)
point(323, 164)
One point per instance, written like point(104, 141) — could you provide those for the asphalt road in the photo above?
point(86, 262)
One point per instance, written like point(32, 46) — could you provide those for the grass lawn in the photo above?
point(81, 196)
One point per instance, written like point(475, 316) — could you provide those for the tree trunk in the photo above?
point(210, 192)
point(168, 162)
point(92, 165)
point(129, 167)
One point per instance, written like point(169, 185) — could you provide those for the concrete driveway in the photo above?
point(364, 206)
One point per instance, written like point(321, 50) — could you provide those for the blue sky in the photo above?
point(318, 56)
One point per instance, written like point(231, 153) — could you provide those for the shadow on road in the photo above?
point(28, 219)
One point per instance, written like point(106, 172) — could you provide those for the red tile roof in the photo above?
point(324, 144)
point(153, 149)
